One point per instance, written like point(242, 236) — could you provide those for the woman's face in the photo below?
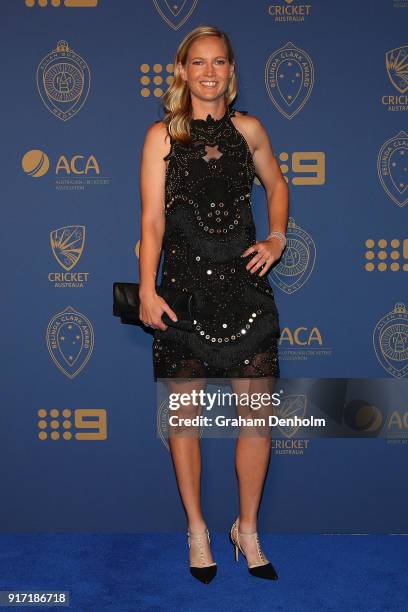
point(207, 70)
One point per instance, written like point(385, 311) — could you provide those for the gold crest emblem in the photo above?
point(63, 81)
point(67, 244)
point(396, 62)
point(292, 406)
point(175, 14)
point(390, 339)
point(289, 78)
point(70, 341)
point(392, 167)
point(297, 262)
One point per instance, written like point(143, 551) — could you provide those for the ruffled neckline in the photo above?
point(210, 121)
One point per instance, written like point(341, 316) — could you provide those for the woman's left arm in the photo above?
point(277, 193)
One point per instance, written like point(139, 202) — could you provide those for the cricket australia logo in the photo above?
point(396, 62)
point(291, 407)
point(67, 244)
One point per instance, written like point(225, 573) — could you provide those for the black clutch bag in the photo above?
point(126, 304)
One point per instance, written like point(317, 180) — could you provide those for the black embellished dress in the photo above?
point(208, 225)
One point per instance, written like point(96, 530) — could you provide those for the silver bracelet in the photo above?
point(279, 236)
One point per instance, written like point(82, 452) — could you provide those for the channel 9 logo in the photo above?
point(78, 424)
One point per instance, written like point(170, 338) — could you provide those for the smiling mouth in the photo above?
point(208, 83)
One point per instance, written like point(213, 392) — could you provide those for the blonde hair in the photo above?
point(177, 98)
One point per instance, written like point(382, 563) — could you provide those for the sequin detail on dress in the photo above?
point(209, 224)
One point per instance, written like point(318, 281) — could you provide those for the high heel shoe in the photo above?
point(204, 573)
point(263, 570)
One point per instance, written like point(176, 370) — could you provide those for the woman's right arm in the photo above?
point(152, 190)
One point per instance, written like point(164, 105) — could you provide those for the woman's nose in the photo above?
point(209, 71)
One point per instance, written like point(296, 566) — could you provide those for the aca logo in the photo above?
point(63, 81)
point(297, 261)
point(396, 63)
point(289, 79)
point(392, 168)
point(302, 343)
point(155, 79)
point(289, 10)
point(78, 424)
point(35, 163)
point(67, 244)
point(175, 14)
point(292, 405)
point(70, 341)
point(75, 172)
point(58, 3)
point(390, 339)
point(362, 417)
point(397, 426)
point(382, 255)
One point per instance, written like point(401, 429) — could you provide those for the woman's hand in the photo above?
point(151, 309)
point(266, 252)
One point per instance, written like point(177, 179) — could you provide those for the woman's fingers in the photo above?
point(266, 267)
point(249, 250)
point(170, 312)
point(155, 320)
point(265, 254)
point(263, 261)
point(256, 261)
point(262, 258)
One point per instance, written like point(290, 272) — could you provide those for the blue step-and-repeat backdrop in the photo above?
point(81, 82)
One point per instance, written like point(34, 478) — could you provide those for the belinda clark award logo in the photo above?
point(289, 79)
point(392, 168)
point(63, 81)
point(70, 341)
point(175, 14)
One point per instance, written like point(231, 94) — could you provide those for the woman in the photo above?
point(197, 208)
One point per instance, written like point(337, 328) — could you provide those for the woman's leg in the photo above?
point(184, 442)
point(252, 459)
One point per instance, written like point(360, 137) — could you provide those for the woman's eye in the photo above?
point(220, 61)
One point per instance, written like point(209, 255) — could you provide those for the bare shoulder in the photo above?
point(251, 127)
point(156, 138)
point(248, 121)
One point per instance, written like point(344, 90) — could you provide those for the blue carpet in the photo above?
point(135, 572)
